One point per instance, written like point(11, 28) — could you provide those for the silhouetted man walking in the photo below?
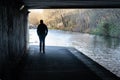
point(42, 31)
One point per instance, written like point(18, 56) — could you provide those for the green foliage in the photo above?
point(114, 30)
point(107, 29)
point(95, 31)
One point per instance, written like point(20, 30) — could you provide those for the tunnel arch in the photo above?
point(13, 22)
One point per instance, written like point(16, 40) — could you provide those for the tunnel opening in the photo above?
point(79, 36)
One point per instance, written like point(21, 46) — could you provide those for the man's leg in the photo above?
point(44, 45)
point(40, 45)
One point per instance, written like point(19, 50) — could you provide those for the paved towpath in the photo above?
point(58, 63)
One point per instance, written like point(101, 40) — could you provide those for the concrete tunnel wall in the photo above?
point(13, 33)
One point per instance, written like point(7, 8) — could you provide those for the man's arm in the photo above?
point(46, 30)
point(37, 31)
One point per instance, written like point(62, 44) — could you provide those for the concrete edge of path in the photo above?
point(100, 71)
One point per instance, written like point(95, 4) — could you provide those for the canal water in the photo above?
point(103, 50)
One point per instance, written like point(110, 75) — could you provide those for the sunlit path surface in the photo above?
point(105, 51)
point(54, 38)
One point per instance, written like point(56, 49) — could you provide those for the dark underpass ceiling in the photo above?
point(36, 4)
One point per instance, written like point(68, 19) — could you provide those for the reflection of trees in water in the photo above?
point(111, 42)
point(106, 41)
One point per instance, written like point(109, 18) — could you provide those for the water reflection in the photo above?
point(106, 41)
point(111, 42)
point(104, 50)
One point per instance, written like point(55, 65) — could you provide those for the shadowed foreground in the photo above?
point(58, 63)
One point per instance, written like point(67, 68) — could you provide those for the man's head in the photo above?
point(41, 21)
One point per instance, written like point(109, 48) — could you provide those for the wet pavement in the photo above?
point(58, 63)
